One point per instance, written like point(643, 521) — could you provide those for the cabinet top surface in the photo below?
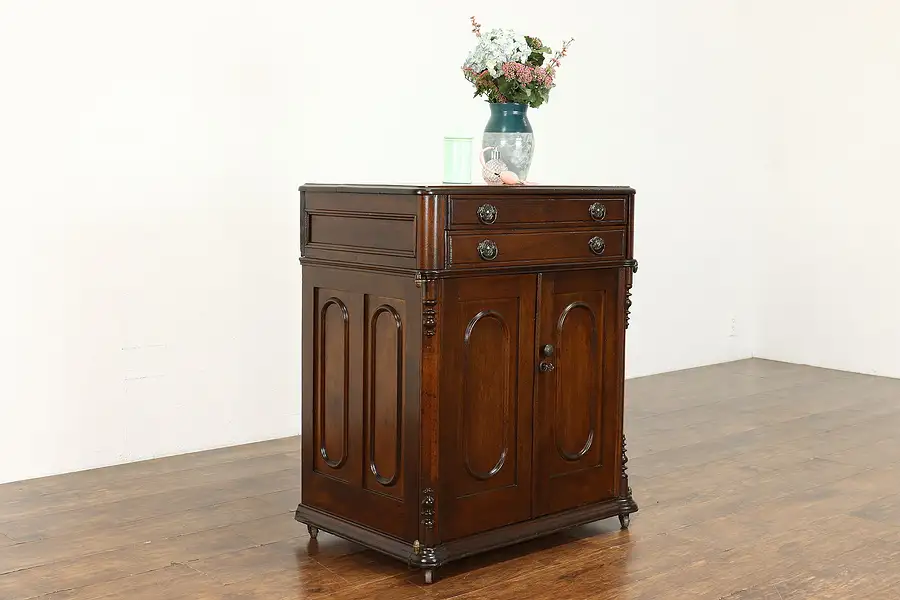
point(464, 189)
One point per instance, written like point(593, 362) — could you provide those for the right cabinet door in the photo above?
point(577, 408)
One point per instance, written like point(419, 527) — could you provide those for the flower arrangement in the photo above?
point(506, 66)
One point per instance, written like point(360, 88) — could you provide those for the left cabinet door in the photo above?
point(360, 398)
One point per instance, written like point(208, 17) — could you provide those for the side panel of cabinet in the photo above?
point(360, 398)
point(578, 392)
point(486, 403)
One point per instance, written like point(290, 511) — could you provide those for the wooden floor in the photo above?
point(756, 480)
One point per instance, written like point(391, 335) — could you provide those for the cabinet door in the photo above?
point(578, 394)
point(487, 381)
point(360, 389)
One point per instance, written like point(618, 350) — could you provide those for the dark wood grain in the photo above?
point(538, 211)
point(361, 398)
point(376, 230)
point(488, 367)
point(578, 405)
point(534, 248)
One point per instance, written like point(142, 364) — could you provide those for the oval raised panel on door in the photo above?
point(578, 367)
point(487, 395)
point(333, 382)
point(385, 395)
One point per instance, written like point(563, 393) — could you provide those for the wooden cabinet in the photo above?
point(463, 364)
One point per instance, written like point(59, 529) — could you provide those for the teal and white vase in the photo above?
point(508, 140)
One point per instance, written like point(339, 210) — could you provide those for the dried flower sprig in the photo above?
point(506, 66)
point(554, 62)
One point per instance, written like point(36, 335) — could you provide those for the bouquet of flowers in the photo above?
point(506, 66)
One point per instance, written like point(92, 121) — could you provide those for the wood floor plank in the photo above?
point(216, 475)
point(234, 514)
point(278, 528)
point(855, 574)
point(174, 582)
point(383, 589)
point(65, 575)
point(260, 562)
point(120, 513)
point(757, 592)
point(879, 453)
point(883, 510)
point(305, 580)
point(90, 479)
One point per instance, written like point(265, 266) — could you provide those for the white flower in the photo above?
point(496, 47)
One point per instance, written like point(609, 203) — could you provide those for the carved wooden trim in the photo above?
point(429, 302)
point(627, 306)
point(428, 508)
point(319, 393)
point(626, 500)
point(634, 269)
point(372, 392)
point(429, 317)
point(595, 358)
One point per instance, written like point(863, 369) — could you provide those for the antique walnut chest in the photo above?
point(463, 364)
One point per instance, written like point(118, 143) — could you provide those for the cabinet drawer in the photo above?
point(491, 212)
point(538, 247)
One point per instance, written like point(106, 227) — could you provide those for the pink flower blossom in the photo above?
point(518, 71)
point(526, 74)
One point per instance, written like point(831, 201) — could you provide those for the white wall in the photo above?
point(151, 155)
point(829, 286)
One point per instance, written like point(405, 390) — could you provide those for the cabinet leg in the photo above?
point(429, 576)
point(625, 520)
point(313, 531)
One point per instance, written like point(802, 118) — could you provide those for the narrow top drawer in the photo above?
point(481, 212)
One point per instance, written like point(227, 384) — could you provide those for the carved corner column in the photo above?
point(630, 280)
point(627, 505)
point(424, 554)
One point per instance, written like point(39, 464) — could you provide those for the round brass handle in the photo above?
point(546, 366)
point(487, 250)
point(598, 211)
point(487, 213)
point(597, 245)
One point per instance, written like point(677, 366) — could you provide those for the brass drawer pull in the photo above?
point(487, 213)
point(487, 250)
point(598, 211)
point(597, 245)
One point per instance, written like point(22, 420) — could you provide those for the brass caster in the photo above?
point(313, 531)
point(429, 576)
point(625, 520)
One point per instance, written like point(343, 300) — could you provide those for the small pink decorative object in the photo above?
point(509, 178)
point(495, 170)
